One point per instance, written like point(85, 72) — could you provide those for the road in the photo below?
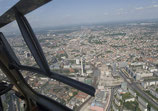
point(113, 89)
point(84, 105)
point(134, 86)
point(111, 98)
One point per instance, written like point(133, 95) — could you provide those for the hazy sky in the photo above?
point(67, 12)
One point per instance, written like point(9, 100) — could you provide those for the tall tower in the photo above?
point(81, 52)
point(82, 73)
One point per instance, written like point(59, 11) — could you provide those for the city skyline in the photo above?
point(70, 12)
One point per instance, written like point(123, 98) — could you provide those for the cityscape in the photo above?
point(120, 60)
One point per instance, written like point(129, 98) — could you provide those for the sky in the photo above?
point(69, 12)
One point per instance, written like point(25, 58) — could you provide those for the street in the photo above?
point(134, 86)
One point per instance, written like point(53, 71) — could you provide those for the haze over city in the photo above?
point(70, 12)
point(94, 55)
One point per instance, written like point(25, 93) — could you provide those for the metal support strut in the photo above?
point(38, 54)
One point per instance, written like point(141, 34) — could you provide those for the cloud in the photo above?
point(121, 13)
point(68, 15)
point(139, 8)
point(120, 9)
point(106, 13)
point(155, 6)
point(147, 7)
point(154, 2)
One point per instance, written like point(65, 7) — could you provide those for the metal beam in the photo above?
point(1, 105)
point(17, 79)
point(24, 6)
point(32, 42)
point(61, 78)
point(9, 49)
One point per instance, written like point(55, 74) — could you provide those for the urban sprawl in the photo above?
point(119, 60)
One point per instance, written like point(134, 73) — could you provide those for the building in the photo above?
point(137, 65)
point(97, 106)
point(132, 92)
point(148, 82)
point(140, 75)
point(115, 108)
point(81, 96)
point(130, 99)
point(124, 86)
point(77, 61)
point(142, 104)
point(117, 102)
point(153, 92)
point(153, 109)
